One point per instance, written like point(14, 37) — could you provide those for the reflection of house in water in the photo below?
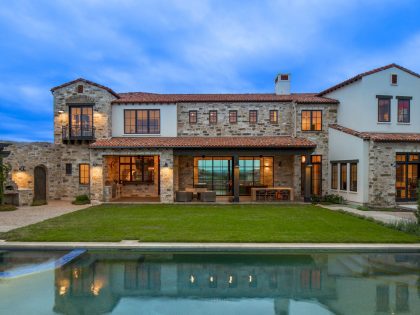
point(342, 284)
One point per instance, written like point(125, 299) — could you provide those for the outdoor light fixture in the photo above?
point(303, 158)
point(166, 164)
point(61, 111)
point(94, 164)
point(22, 168)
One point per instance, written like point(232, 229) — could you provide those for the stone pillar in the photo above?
point(167, 176)
point(96, 177)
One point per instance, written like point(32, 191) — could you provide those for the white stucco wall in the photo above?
point(344, 147)
point(358, 107)
point(168, 119)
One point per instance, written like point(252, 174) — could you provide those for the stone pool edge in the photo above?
point(211, 247)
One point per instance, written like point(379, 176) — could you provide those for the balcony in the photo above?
point(78, 133)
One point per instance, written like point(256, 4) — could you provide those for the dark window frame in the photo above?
point(189, 117)
point(81, 182)
point(80, 126)
point(69, 169)
point(80, 88)
point(251, 112)
point(272, 121)
point(213, 122)
point(236, 116)
point(311, 120)
point(408, 116)
point(394, 79)
point(343, 184)
point(352, 180)
point(384, 98)
point(143, 165)
point(136, 132)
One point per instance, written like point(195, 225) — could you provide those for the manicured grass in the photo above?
point(209, 223)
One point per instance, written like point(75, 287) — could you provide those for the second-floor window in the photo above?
point(274, 116)
point(142, 121)
point(384, 109)
point(403, 110)
point(81, 120)
point(311, 120)
point(253, 116)
point(192, 116)
point(233, 116)
point(213, 117)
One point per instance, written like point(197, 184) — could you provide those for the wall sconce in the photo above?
point(303, 159)
point(22, 168)
point(94, 164)
point(61, 111)
point(166, 164)
point(280, 164)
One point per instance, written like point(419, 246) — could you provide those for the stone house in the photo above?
point(146, 146)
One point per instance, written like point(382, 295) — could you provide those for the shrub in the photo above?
point(333, 199)
point(363, 208)
point(81, 200)
point(37, 203)
point(7, 207)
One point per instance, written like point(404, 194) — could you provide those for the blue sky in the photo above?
point(193, 46)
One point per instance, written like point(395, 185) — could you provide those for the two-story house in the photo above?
point(146, 146)
point(374, 148)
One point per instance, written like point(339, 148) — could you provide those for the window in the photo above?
point(382, 298)
point(233, 116)
point(343, 176)
point(394, 79)
point(311, 120)
point(69, 170)
point(274, 116)
point(253, 116)
point(407, 176)
point(192, 116)
point(142, 121)
point(353, 176)
point(255, 172)
point(316, 161)
point(139, 169)
point(84, 172)
point(384, 109)
point(81, 121)
point(213, 117)
point(402, 296)
point(214, 173)
point(403, 110)
point(80, 89)
point(284, 77)
point(334, 176)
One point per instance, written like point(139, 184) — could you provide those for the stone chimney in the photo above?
point(282, 83)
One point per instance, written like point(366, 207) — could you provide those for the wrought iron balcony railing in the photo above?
point(78, 133)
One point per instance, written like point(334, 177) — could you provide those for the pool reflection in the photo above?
point(103, 282)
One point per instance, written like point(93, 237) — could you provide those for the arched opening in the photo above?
point(40, 183)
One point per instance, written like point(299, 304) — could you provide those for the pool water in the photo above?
point(131, 282)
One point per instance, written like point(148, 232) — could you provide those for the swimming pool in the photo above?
point(132, 282)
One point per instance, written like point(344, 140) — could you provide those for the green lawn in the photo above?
point(209, 223)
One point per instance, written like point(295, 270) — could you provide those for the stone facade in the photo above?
point(382, 171)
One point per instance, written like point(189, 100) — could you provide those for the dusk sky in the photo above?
point(194, 46)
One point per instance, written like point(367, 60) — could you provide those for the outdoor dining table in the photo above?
point(276, 189)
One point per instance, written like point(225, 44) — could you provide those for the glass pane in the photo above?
point(141, 121)
point(412, 181)
point(130, 121)
point(149, 168)
point(154, 121)
point(76, 121)
point(125, 173)
point(384, 110)
point(87, 121)
point(400, 183)
point(306, 120)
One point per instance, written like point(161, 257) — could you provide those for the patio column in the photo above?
point(235, 178)
point(307, 179)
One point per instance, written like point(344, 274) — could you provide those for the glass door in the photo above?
point(407, 176)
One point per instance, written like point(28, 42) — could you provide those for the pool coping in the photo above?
point(211, 247)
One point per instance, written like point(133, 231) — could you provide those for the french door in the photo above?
point(407, 176)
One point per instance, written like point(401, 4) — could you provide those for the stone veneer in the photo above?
point(382, 172)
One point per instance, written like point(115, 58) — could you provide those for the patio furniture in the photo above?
point(183, 196)
point(272, 194)
point(207, 196)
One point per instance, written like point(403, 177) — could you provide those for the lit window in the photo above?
point(139, 169)
point(274, 116)
point(253, 116)
point(233, 116)
point(311, 120)
point(142, 121)
point(384, 109)
point(213, 117)
point(193, 116)
point(334, 176)
point(403, 110)
point(353, 176)
point(84, 172)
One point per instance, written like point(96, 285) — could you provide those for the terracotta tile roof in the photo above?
point(141, 97)
point(87, 82)
point(361, 75)
point(204, 142)
point(380, 136)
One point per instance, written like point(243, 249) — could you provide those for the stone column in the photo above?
point(96, 177)
point(167, 176)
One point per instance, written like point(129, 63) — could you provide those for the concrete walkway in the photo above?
point(23, 216)
point(383, 216)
